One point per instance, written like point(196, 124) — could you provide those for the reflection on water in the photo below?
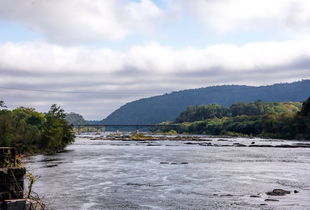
point(172, 175)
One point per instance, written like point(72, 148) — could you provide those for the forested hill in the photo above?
point(167, 107)
point(75, 119)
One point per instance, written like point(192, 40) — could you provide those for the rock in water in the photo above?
point(278, 192)
point(254, 196)
point(271, 200)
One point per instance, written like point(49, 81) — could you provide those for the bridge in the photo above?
point(127, 127)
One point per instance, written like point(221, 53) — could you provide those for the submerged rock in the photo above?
point(268, 199)
point(191, 143)
point(254, 196)
point(205, 144)
point(222, 140)
point(180, 163)
point(226, 195)
point(303, 145)
point(260, 145)
point(278, 192)
point(153, 145)
point(51, 166)
point(286, 146)
point(239, 145)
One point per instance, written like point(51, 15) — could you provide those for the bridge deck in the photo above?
point(125, 125)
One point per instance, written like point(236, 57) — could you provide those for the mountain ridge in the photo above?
point(168, 106)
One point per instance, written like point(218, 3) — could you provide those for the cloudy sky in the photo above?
point(92, 56)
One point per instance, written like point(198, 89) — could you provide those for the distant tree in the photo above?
point(287, 120)
point(75, 119)
point(196, 113)
point(56, 112)
point(302, 121)
point(305, 110)
point(57, 132)
point(2, 104)
point(261, 108)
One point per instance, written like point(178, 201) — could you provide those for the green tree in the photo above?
point(2, 104)
point(31, 131)
point(196, 113)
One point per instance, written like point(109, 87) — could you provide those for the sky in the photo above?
point(93, 56)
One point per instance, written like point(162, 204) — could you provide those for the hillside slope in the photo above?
point(75, 119)
point(167, 107)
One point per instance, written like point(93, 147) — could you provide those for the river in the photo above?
point(100, 174)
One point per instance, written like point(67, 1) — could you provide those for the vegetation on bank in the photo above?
point(199, 113)
point(34, 132)
point(289, 120)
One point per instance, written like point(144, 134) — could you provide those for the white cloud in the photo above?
point(121, 76)
point(76, 21)
point(153, 58)
point(234, 15)
point(82, 20)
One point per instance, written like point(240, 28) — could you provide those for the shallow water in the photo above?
point(172, 175)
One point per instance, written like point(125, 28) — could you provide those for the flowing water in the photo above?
point(172, 175)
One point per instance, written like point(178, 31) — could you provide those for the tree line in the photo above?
point(34, 132)
point(290, 120)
